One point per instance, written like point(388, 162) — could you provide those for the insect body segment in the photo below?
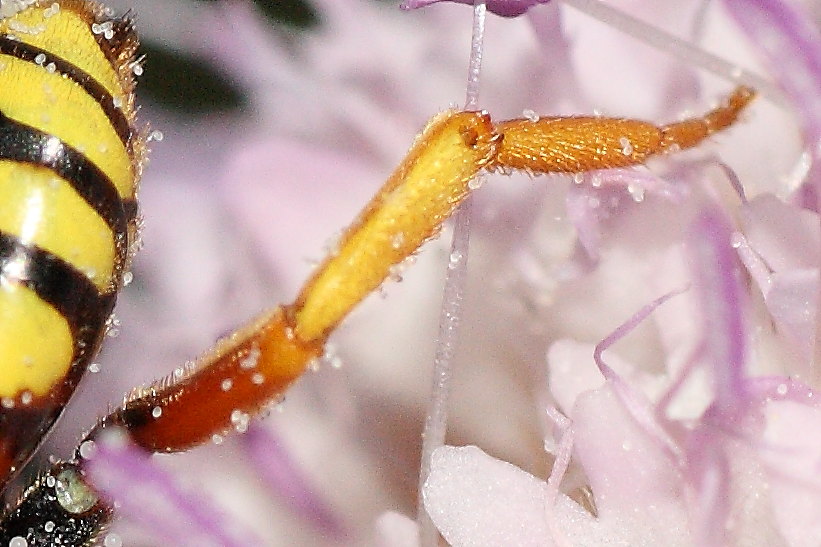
point(69, 163)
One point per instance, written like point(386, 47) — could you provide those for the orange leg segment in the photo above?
point(243, 372)
point(577, 144)
point(255, 365)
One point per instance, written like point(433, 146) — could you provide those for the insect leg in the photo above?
point(576, 144)
point(256, 364)
point(689, 133)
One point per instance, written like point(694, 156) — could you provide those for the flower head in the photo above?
point(689, 425)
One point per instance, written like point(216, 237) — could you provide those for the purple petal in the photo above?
point(286, 480)
point(708, 473)
point(716, 277)
point(791, 45)
point(151, 497)
point(503, 8)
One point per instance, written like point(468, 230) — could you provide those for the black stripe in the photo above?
point(20, 142)
point(116, 116)
point(131, 208)
point(61, 285)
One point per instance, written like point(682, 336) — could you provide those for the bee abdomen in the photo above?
point(69, 162)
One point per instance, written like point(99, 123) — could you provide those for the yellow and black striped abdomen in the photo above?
point(69, 162)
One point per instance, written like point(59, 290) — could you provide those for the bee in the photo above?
point(71, 158)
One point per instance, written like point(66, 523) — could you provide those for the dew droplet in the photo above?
point(87, 449)
point(240, 421)
point(252, 359)
point(595, 180)
point(636, 191)
point(454, 259)
point(395, 272)
point(626, 146)
point(397, 240)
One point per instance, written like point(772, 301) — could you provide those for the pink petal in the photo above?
point(787, 274)
point(600, 195)
point(794, 458)
point(785, 236)
point(633, 478)
point(477, 500)
point(793, 304)
point(571, 372)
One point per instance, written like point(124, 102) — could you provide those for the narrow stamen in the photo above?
point(433, 435)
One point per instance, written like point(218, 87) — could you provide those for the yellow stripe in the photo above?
point(55, 105)
point(67, 35)
point(36, 347)
point(41, 208)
